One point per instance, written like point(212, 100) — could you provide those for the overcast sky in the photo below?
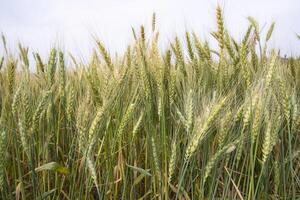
point(72, 23)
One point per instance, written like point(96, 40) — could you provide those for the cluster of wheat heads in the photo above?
point(190, 123)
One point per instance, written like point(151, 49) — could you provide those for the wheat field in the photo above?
point(191, 122)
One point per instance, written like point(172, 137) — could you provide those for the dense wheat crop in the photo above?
point(191, 122)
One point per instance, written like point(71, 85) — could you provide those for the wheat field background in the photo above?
point(191, 122)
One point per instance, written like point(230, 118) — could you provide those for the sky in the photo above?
point(73, 24)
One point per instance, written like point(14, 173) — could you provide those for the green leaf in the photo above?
point(53, 166)
point(46, 194)
point(142, 171)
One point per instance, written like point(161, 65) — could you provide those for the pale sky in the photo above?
point(71, 24)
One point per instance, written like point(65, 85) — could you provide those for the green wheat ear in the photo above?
point(40, 67)
point(2, 158)
point(39, 110)
point(153, 22)
point(269, 76)
point(270, 31)
point(172, 160)
point(1, 62)
point(216, 157)
point(197, 138)
point(221, 32)
point(105, 56)
point(51, 68)
point(189, 45)
point(267, 146)
point(255, 25)
point(16, 101)
point(124, 122)
point(11, 74)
